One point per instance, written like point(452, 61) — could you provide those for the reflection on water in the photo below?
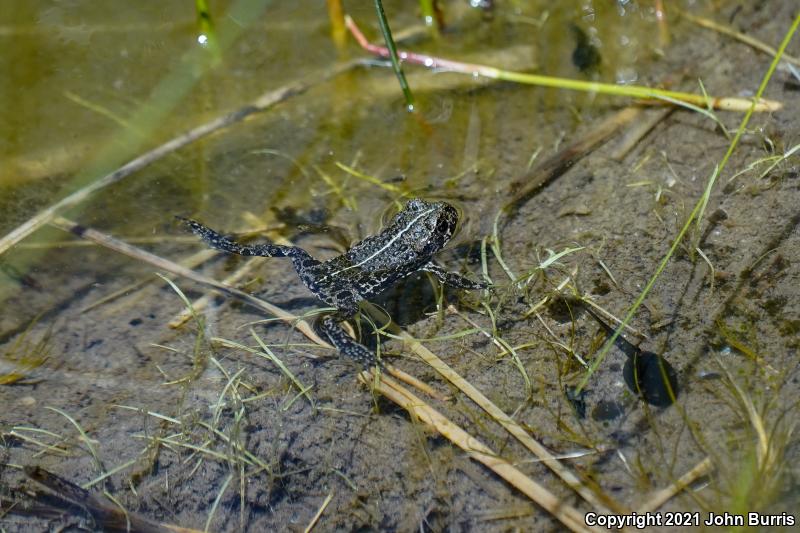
point(95, 85)
point(89, 86)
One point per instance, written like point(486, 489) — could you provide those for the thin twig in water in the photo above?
point(634, 91)
point(68, 498)
point(169, 266)
point(747, 39)
point(317, 516)
point(507, 422)
point(638, 130)
point(662, 496)
point(566, 514)
point(192, 261)
point(201, 303)
point(556, 165)
point(262, 103)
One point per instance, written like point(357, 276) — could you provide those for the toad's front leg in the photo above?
point(452, 279)
point(328, 327)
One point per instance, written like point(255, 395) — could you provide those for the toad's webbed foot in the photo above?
point(452, 279)
point(328, 327)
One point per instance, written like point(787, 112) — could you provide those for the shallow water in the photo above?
point(84, 329)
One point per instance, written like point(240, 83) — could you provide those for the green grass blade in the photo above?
point(698, 208)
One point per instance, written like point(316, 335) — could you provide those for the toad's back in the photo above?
point(374, 264)
point(414, 235)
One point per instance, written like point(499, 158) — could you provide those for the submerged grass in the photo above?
point(244, 464)
point(23, 357)
point(696, 214)
point(268, 353)
point(229, 436)
point(84, 438)
point(632, 91)
point(222, 438)
point(370, 179)
point(771, 161)
point(753, 462)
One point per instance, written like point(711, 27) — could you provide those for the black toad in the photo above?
point(368, 268)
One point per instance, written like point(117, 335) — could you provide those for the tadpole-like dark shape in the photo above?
point(577, 400)
point(647, 374)
point(586, 56)
point(651, 376)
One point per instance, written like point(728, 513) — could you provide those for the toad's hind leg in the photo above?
point(221, 242)
point(301, 260)
point(328, 327)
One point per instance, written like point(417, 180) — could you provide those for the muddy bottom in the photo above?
point(180, 426)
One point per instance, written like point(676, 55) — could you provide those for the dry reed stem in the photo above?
point(201, 303)
point(600, 504)
point(336, 19)
point(648, 94)
point(418, 409)
point(739, 36)
point(664, 36)
point(317, 516)
point(165, 264)
point(264, 102)
point(408, 379)
point(638, 131)
point(662, 496)
point(191, 261)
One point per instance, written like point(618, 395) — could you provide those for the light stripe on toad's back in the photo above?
point(386, 246)
point(406, 246)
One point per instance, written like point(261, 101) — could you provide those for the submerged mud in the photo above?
point(195, 424)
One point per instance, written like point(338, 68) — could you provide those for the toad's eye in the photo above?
point(442, 226)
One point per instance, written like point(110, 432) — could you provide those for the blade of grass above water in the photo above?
point(398, 70)
point(698, 210)
point(633, 91)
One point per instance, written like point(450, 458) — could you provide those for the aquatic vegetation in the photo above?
point(206, 399)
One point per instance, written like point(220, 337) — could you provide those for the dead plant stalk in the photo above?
point(649, 94)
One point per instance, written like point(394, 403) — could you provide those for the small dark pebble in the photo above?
point(607, 410)
point(93, 343)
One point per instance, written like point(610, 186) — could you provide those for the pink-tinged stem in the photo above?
point(418, 59)
point(632, 91)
